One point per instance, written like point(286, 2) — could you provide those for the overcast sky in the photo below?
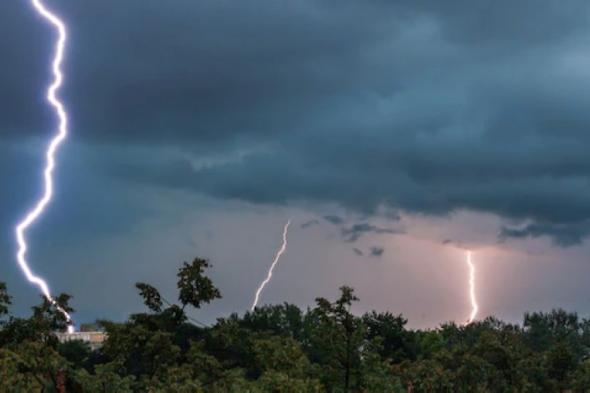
point(395, 134)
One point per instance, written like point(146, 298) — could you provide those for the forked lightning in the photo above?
point(472, 298)
point(272, 266)
point(62, 132)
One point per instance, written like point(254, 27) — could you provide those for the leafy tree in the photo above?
point(14, 373)
point(396, 343)
point(32, 366)
point(281, 354)
point(543, 330)
point(282, 349)
point(335, 339)
point(231, 343)
point(140, 351)
point(277, 382)
point(105, 379)
point(581, 378)
point(75, 351)
point(561, 362)
point(284, 320)
point(378, 374)
point(5, 299)
point(48, 314)
point(425, 376)
point(194, 287)
point(40, 327)
point(151, 296)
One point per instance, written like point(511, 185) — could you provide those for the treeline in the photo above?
point(284, 349)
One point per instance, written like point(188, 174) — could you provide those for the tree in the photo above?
point(281, 354)
point(151, 296)
point(48, 314)
point(426, 376)
point(335, 339)
point(543, 330)
point(395, 342)
point(277, 382)
point(32, 366)
point(138, 350)
point(40, 327)
point(281, 349)
point(105, 379)
point(283, 320)
point(194, 287)
point(75, 351)
point(378, 373)
point(561, 362)
point(581, 378)
point(5, 299)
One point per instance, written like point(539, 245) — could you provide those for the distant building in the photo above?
point(93, 339)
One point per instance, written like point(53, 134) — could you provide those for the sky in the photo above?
point(394, 134)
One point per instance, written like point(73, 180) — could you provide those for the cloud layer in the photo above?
point(420, 106)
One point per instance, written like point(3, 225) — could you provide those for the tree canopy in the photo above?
point(283, 349)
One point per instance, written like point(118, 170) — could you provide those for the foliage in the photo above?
point(5, 299)
point(194, 287)
point(151, 296)
point(282, 349)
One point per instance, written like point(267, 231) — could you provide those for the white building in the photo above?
point(94, 339)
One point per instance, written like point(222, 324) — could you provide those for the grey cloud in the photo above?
point(356, 231)
point(377, 251)
point(335, 220)
point(428, 107)
point(357, 252)
point(562, 235)
point(309, 223)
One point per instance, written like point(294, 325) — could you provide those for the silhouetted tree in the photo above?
point(194, 287)
point(282, 349)
point(5, 299)
point(151, 296)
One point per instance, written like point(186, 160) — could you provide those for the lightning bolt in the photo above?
point(274, 263)
point(474, 306)
point(62, 132)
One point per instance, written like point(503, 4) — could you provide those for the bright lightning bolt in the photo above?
point(274, 263)
point(62, 132)
point(474, 306)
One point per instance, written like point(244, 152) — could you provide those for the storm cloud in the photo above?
point(356, 231)
point(334, 220)
point(377, 251)
point(562, 235)
point(310, 223)
point(418, 106)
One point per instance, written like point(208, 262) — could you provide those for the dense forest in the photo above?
point(282, 348)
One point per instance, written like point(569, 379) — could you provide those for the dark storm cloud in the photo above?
point(334, 220)
point(356, 231)
point(562, 235)
point(310, 223)
point(428, 106)
point(377, 252)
